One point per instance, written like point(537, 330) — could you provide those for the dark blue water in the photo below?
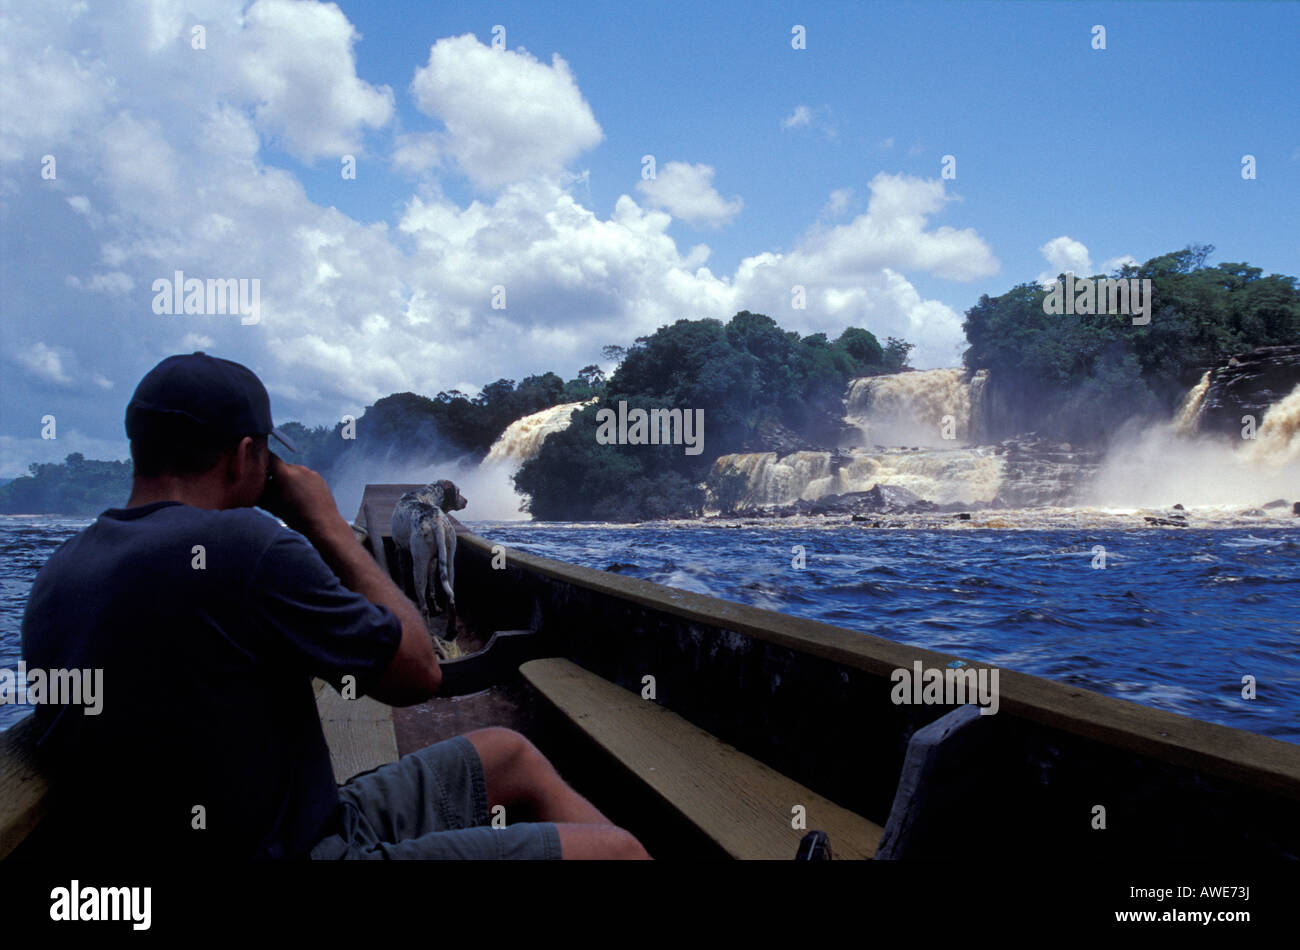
point(25, 544)
point(1175, 620)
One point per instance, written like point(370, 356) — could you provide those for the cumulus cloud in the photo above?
point(854, 272)
point(686, 191)
point(508, 117)
point(1065, 255)
point(893, 233)
point(48, 93)
point(1116, 263)
point(296, 63)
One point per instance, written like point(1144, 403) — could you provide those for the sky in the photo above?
point(434, 196)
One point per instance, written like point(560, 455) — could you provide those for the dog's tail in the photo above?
point(444, 557)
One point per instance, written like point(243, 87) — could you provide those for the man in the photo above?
point(209, 620)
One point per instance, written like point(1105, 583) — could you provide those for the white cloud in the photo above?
point(80, 204)
point(804, 117)
point(686, 192)
point(508, 117)
point(838, 202)
point(1115, 263)
point(853, 273)
point(44, 363)
point(801, 116)
point(417, 152)
point(195, 342)
point(114, 282)
point(892, 233)
point(48, 94)
point(1065, 254)
point(296, 64)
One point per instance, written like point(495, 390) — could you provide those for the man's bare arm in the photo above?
point(301, 497)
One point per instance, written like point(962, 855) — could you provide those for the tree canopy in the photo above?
point(1078, 376)
point(743, 373)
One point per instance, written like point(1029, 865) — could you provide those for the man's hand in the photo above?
point(300, 497)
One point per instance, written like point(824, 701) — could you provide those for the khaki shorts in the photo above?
point(430, 805)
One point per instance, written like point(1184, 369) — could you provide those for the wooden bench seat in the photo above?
point(359, 732)
point(744, 806)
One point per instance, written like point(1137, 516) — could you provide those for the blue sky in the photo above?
point(481, 167)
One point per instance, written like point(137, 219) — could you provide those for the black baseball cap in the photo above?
point(226, 398)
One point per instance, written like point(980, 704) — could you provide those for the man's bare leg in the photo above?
point(519, 777)
point(599, 843)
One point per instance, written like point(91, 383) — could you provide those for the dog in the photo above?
point(425, 540)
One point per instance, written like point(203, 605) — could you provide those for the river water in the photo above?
point(1174, 620)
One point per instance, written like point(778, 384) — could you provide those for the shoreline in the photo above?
point(991, 519)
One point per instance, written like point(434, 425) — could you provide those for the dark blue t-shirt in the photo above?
point(208, 626)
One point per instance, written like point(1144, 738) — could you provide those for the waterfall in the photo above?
point(911, 409)
point(523, 438)
point(1277, 443)
point(772, 482)
point(1169, 463)
point(1189, 412)
point(981, 422)
point(939, 475)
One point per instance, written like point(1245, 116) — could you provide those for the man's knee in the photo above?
point(513, 767)
point(499, 747)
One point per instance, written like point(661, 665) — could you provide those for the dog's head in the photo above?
point(452, 499)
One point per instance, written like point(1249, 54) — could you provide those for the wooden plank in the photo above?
point(359, 732)
point(740, 803)
point(23, 789)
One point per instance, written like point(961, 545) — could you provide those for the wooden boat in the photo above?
point(711, 729)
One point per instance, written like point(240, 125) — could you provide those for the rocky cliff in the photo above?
point(1247, 386)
